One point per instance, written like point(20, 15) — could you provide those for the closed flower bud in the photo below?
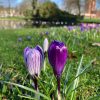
point(20, 39)
point(29, 37)
point(57, 54)
point(33, 59)
point(45, 45)
point(46, 33)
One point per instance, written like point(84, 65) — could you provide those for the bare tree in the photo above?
point(34, 4)
point(25, 5)
point(9, 2)
point(74, 6)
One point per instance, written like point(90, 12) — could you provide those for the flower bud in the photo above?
point(45, 45)
point(57, 54)
point(34, 59)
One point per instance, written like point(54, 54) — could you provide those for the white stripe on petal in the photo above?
point(33, 62)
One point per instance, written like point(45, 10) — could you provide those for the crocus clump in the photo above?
point(33, 58)
point(57, 54)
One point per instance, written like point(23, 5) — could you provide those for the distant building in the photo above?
point(5, 12)
point(91, 10)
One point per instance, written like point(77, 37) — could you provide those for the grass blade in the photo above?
point(70, 84)
point(27, 97)
point(76, 81)
point(67, 78)
point(95, 98)
point(29, 89)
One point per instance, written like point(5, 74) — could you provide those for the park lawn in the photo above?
point(12, 18)
point(81, 51)
point(90, 20)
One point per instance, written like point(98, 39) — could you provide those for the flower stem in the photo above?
point(37, 97)
point(35, 82)
point(45, 53)
point(58, 85)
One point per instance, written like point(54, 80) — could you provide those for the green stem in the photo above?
point(58, 85)
point(37, 97)
point(35, 82)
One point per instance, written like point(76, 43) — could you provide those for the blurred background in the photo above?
point(49, 12)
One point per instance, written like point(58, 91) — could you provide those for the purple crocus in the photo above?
point(57, 54)
point(26, 51)
point(34, 58)
point(29, 37)
point(20, 39)
point(70, 28)
point(82, 28)
point(47, 33)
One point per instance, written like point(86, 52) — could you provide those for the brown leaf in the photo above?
point(72, 55)
point(96, 44)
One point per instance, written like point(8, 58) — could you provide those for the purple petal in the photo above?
point(41, 52)
point(57, 55)
point(26, 51)
point(34, 59)
point(33, 62)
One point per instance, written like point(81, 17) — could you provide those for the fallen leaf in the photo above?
point(96, 44)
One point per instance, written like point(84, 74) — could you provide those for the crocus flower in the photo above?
point(57, 54)
point(82, 28)
point(45, 45)
point(45, 48)
point(70, 28)
point(29, 37)
point(34, 60)
point(19, 39)
point(46, 33)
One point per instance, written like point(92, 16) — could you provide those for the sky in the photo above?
point(17, 2)
point(98, 4)
point(14, 3)
point(58, 2)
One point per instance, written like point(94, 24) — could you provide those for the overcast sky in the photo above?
point(14, 3)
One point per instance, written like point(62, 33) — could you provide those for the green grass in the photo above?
point(81, 76)
point(12, 18)
point(90, 20)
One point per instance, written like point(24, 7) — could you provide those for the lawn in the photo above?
point(90, 20)
point(12, 18)
point(80, 79)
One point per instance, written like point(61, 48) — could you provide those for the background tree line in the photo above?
point(46, 10)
